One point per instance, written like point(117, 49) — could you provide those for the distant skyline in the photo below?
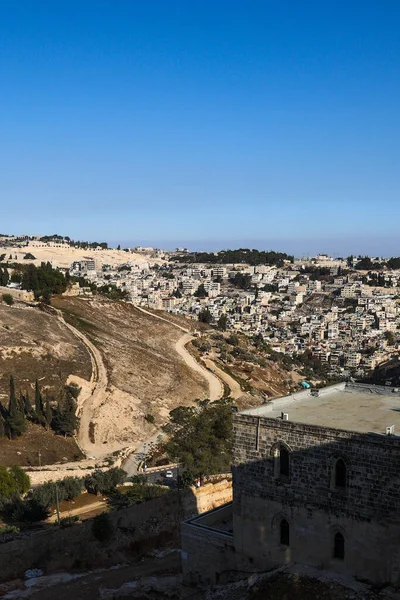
point(206, 124)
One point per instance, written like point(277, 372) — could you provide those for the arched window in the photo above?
point(284, 533)
point(340, 473)
point(338, 546)
point(283, 462)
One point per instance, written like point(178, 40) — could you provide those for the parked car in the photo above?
point(169, 474)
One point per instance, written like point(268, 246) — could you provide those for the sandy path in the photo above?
point(215, 385)
point(147, 312)
point(233, 385)
point(78, 511)
point(99, 382)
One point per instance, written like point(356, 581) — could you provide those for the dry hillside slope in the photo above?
point(145, 375)
point(34, 344)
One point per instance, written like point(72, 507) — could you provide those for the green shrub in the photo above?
point(104, 482)
point(21, 479)
point(149, 418)
point(9, 529)
point(102, 528)
point(68, 521)
point(8, 299)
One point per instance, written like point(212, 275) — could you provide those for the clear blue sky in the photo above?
point(268, 123)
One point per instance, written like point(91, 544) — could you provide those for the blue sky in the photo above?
point(270, 124)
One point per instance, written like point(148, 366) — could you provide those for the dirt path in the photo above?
point(233, 385)
point(215, 385)
point(93, 397)
point(79, 511)
point(147, 312)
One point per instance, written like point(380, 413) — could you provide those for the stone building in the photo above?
point(316, 481)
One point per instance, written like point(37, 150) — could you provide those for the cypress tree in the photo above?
point(65, 420)
point(49, 414)
point(39, 407)
point(27, 406)
point(2, 426)
point(16, 418)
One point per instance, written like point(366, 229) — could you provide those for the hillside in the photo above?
point(65, 256)
point(36, 345)
point(141, 375)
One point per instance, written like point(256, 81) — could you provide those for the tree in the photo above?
point(201, 437)
point(39, 406)
point(48, 413)
point(8, 299)
point(201, 291)
point(15, 416)
point(65, 421)
point(104, 482)
point(4, 276)
point(2, 426)
point(22, 481)
point(102, 527)
point(223, 322)
point(390, 338)
point(205, 316)
point(8, 485)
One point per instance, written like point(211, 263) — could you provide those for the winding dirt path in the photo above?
point(94, 394)
point(90, 398)
point(216, 387)
point(233, 385)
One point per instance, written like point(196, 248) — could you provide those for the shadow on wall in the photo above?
point(317, 496)
point(134, 531)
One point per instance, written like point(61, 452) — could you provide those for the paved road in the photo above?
point(159, 477)
point(133, 461)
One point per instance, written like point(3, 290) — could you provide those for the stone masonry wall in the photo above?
point(366, 512)
point(373, 487)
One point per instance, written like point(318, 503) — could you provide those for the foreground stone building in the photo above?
point(316, 481)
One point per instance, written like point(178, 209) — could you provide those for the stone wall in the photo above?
point(22, 295)
point(366, 512)
point(136, 529)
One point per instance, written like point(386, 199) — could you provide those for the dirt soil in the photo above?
point(34, 344)
point(146, 377)
point(23, 451)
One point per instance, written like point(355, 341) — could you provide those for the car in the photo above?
point(169, 474)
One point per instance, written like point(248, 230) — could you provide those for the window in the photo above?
point(338, 546)
point(284, 532)
point(284, 462)
point(340, 474)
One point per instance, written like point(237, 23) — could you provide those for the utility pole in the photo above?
point(57, 505)
point(145, 448)
point(39, 455)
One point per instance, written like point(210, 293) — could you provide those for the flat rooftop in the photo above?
point(353, 407)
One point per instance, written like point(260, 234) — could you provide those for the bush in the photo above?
point(21, 479)
point(28, 511)
point(29, 256)
point(104, 482)
point(102, 528)
point(68, 521)
point(70, 488)
point(9, 529)
point(8, 299)
point(136, 494)
point(150, 418)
